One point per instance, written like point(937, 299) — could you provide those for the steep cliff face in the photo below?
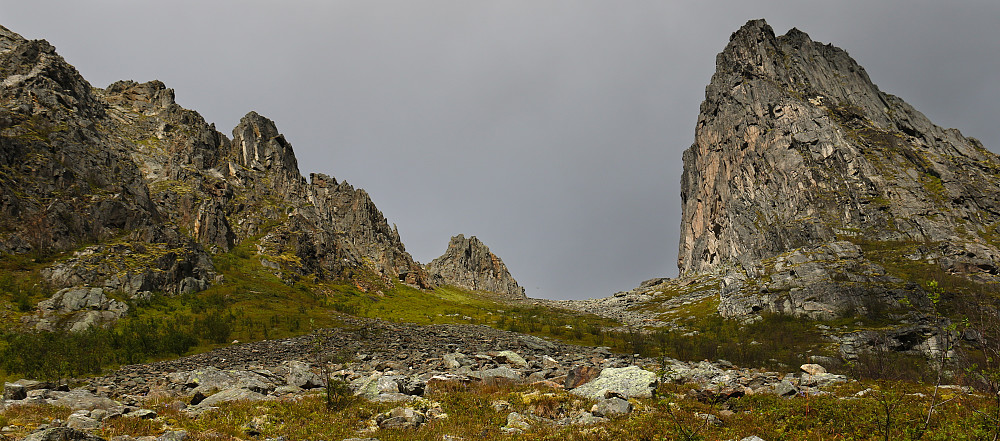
point(144, 191)
point(63, 180)
point(469, 264)
point(803, 171)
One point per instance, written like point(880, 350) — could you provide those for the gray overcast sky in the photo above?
point(550, 129)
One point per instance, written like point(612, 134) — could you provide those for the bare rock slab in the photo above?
point(628, 382)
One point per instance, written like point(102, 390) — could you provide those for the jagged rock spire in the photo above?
point(469, 264)
point(798, 157)
point(795, 146)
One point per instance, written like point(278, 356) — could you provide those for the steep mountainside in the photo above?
point(468, 263)
point(806, 181)
point(144, 191)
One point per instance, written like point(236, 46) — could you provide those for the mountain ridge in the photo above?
point(144, 192)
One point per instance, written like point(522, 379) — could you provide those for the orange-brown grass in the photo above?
point(26, 418)
point(888, 410)
point(130, 426)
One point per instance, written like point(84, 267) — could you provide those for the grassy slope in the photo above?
point(253, 303)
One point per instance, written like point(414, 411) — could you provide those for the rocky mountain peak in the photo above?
point(260, 147)
point(468, 263)
point(8, 39)
point(146, 98)
point(797, 152)
point(145, 191)
point(37, 80)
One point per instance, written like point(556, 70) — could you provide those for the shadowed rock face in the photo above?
point(146, 190)
point(800, 164)
point(469, 264)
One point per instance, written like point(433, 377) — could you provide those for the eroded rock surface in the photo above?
point(469, 264)
point(143, 190)
point(802, 169)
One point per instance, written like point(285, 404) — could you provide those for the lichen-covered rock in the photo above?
point(401, 418)
point(79, 399)
point(802, 170)
point(210, 379)
point(227, 396)
point(469, 264)
point(631, 381)
point(606, 407)
point(61, 434)
point(77, 309)
point(152, 189)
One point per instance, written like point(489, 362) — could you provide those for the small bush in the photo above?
point(215, 327)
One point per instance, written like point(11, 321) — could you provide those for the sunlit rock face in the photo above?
point(804, 176)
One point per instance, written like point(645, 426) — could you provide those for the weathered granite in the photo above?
point(469, 264)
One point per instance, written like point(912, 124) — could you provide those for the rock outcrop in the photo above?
point(144, 191)
point(469, 264)
point(807, 188)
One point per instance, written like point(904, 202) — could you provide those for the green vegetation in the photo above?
point(21, 287)
point(455, 305)
point(251, 304)
point(33, 128)
point(778, 342)
point(55, 355)
point(957, 290)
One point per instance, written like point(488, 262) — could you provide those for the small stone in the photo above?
point(517, 421)
point(709, 418)
point(14, 391)
point(400, 418)
point(173, 435)
point(580, 375)
point(144, 414)
point(502, 373)
point(82, 421)
point(99, 414)
point(455, 360)
point(512, 358)
point(785, 388)
point(607, 407)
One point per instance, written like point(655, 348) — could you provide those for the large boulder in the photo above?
point(627, 382)
point(210, 379)
point(227, 396)
point(61, 434)
point(77, 309)
point(80, 399)
point(300, 374)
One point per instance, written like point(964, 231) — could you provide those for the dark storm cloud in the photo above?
point(552, 130)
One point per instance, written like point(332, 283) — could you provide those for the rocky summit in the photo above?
point(809, 192)
point(802, 172)
point(144, 192)
point(469, 264)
